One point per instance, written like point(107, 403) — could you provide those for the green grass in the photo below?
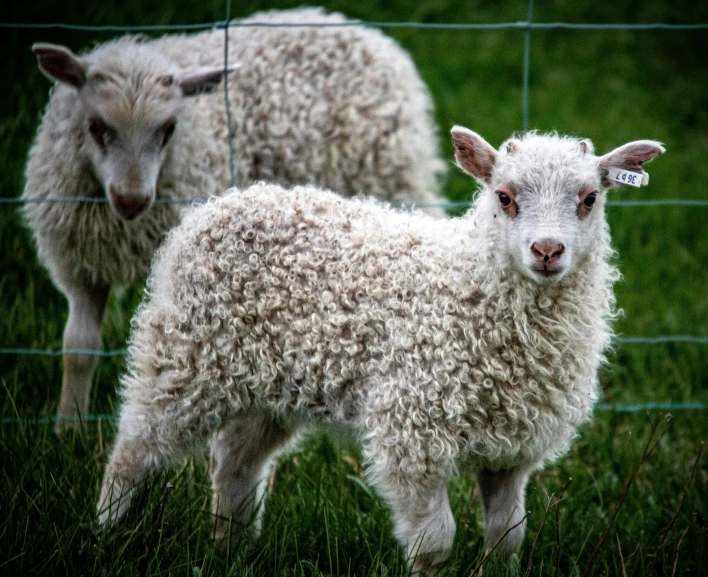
point(611, 86)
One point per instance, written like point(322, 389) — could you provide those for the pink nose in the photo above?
point(128, 205)
point(547, 251)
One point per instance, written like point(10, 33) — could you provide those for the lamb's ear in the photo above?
point(60, 63)
point(204, 79)
point(474, 155)
point(630, 157)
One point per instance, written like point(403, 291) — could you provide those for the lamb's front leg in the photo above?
point(417, 496)
point(423, 522)
point(503, 497)
point(82, 332)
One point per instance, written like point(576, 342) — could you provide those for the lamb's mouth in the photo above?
point(548, 272)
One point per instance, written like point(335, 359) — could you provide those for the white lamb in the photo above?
point(469, 342)
point(339, 107)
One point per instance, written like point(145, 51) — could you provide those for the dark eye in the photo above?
point(98, 129)
point(504, 198)
point(590, 199)
point(167, 131)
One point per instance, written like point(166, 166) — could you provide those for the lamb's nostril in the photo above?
point(547, 250)
point(132, 207)
point(128, 206)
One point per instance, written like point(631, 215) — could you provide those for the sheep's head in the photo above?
point(130, 101)
point(547, 194)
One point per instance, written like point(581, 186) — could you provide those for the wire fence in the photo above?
point(602, 407)
point(449, 205)
point(526, 27)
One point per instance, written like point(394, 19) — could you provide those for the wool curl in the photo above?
point(412, 330)
point(342, 108)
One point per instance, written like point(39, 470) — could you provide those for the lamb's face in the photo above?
point(128, 106)
point(546, 195)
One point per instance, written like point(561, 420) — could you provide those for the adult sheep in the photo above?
point(340, 107)
point(473, 341)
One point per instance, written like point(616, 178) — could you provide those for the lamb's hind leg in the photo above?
point(147, 440)
point(242, 457)
point(503, 496)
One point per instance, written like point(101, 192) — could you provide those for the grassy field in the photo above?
point(610, 86)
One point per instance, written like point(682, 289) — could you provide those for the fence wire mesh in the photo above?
point(526, 27)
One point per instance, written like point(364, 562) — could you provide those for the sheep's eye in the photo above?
point(167, 131)
point(504, 198)
point(590, 199)
point(98, 130)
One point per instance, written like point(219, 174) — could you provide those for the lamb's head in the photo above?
point(545, 194)
point(129, 99)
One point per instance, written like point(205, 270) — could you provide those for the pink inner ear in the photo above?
point(632, 155)
point(61, 65)
point(474, 156)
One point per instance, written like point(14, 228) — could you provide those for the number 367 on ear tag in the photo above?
point(628, 177)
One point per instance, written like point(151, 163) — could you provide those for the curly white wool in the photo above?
point(268, 309)
point(342, 306)
point(341, 108)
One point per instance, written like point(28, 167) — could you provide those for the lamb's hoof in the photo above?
point(67, 425)
point(113, 504)
point(429, 564)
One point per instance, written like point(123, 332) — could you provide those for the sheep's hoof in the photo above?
point(65, 426)
point(428, 564)
point(112, 507)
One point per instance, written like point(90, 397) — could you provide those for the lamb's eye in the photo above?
point(167, 131)
point(504, 198)
point(98, 129)
point(590, 199)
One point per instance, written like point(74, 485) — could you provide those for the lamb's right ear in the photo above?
point(60, 63)
point(204, 79)
point(474, 155)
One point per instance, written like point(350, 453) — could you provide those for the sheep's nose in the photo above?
point(128, 205)
point(548, 251)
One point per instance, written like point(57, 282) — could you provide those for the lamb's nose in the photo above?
point(547, 250)
point(128, 205)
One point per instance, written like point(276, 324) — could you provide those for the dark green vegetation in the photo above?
point(611, 86)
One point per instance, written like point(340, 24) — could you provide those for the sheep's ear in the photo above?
point(473, 154)
point(630, 157)
point(61, 64)
point(204, 79)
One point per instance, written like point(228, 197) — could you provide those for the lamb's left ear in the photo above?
point(629, 157)
point(204, 79)
point(474, 155)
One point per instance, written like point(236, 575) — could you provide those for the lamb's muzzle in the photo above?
point(128, 205)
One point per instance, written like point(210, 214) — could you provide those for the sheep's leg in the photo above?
point(423, 521)
point(425, 526)
point(503, 497)
point(242, 458)
point(147, 440)
point(82, 331)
